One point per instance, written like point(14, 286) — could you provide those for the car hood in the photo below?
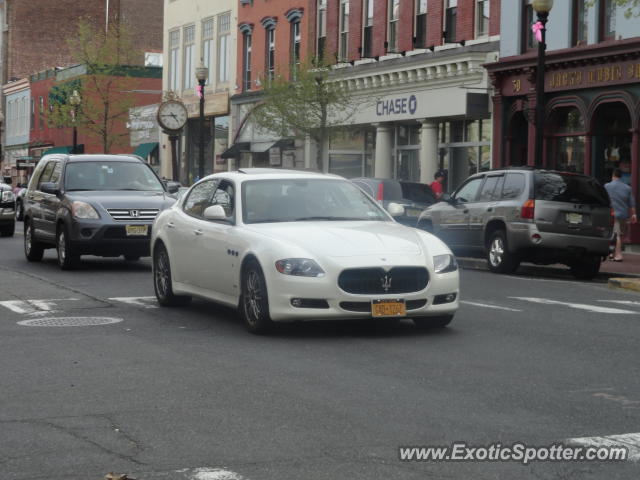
point(346, 239)
point(124, 199)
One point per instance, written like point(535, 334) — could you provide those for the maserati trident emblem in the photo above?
point(386, 282)
point(134, 213)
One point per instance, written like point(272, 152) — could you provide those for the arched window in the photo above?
point(566, 148)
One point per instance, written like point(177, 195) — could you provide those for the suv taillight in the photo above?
point(528, 209)
point(380, 195)
point(612, 218)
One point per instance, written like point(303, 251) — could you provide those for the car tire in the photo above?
point(33, 249)
point(433, 322)
point(254, 302)
point(162, 283)
point(19, 211)
point(587, 268)
point(68, 259)
point(8, 230)
point(499, 258)
point(132, 258)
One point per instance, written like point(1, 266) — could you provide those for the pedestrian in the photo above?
point(436, 185)
point(624, 207)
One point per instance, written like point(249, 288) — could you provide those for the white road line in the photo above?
point(138, 301)
point(30, 307)
point(623, 302)
point(631, 441)
point(486, 305)
point(209, 474)
point(578, 306)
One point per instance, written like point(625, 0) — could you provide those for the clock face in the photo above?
point(172, 115)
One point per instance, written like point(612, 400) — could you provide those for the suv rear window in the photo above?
point(566, 187)
point(417, 192)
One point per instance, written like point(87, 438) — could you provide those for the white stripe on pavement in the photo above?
point(623, 302)
point(144, 302)
point(631, 441)
point(210, 474)
point(579, 306)
point(26, 307)
point(486, 305)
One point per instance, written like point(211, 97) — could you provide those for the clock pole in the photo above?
point(175, 171)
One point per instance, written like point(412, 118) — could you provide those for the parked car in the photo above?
point(7, 211)
point(92, 205)
point(525, 214)
point(284, 245)
point(20, 203)
point(414, 197)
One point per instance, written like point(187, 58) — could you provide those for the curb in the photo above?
point(470, 263)
point(625, 283)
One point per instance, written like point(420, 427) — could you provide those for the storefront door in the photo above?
point(408, 168)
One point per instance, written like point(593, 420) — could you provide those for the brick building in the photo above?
point(29, 52)
point(419, 60)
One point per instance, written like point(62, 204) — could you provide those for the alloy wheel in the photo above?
point(162, 273)
point(62, 248)
point(496, 252)
point(253, 296)
point(27, 239)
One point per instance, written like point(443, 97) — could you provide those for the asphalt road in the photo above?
point(188, 394)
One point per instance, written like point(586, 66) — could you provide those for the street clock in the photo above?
point(172, 115)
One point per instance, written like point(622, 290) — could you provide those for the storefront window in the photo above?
point(347, 140)
point(567, 149)
point(346, 165)
point(569, 154)
point(408, 135)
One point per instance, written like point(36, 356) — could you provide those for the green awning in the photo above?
point(145, 149)
point(66, 150)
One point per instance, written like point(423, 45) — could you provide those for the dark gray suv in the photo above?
point(92, 205)
point(524, 214)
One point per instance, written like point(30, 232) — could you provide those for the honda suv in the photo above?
point(523, 214)
point(92, 205)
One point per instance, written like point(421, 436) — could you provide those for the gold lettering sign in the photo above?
point(566, 79)
point(517, 85)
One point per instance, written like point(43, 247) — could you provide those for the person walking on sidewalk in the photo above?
point(436, 185)
point(624, 207)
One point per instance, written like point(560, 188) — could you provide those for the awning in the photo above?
point(284, 143)
point(145, 149)
point(261, 147)
point(235, 149)
point(66, 149)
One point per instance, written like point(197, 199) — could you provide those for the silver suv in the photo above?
point(523, 214)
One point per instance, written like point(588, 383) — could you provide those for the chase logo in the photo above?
point(397, 106)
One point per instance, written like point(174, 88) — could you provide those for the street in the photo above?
point(163, 393)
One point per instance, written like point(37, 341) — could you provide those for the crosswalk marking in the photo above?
point(578, 306)
point(32, 307)
point(631, 441)
point(145, 302)
point(486, 305)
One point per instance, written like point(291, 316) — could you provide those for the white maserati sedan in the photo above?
point(288, 245)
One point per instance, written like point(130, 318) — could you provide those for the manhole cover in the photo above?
point(68, 321)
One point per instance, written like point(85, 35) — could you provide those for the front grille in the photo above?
point(366, 306)
point(133, 214)
point(376, 281)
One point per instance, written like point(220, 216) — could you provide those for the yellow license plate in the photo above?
point(388, 308)
point(137, 230)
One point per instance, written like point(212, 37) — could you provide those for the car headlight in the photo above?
point(83, 210)
point(445, 263)
point(301, 267)
point(7, 196)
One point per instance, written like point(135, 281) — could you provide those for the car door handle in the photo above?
point(490, 209)
point(466, 210)
point(198, 232)
point(171, 225)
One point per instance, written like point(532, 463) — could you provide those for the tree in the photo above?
point(313, 105)
point(105, 88)
point(632, 7)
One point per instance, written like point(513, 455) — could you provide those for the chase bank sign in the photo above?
point(397, 106)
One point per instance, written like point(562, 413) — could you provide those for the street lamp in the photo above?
point(202, 73)
point(542, 8)
point(75, 101)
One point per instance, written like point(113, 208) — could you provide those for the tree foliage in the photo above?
point(632, 7)
point(311, 105)
point(105, 88)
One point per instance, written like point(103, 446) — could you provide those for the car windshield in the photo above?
point(568, 187)
point(298, 200)
point(111, 175)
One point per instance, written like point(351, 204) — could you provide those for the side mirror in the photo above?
point(215, 212)
point(173, 187)
point(445, 198)
point(49, 187)
point(395, 210)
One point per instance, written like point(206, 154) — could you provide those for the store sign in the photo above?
point(25, 163)
point(399, 105)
